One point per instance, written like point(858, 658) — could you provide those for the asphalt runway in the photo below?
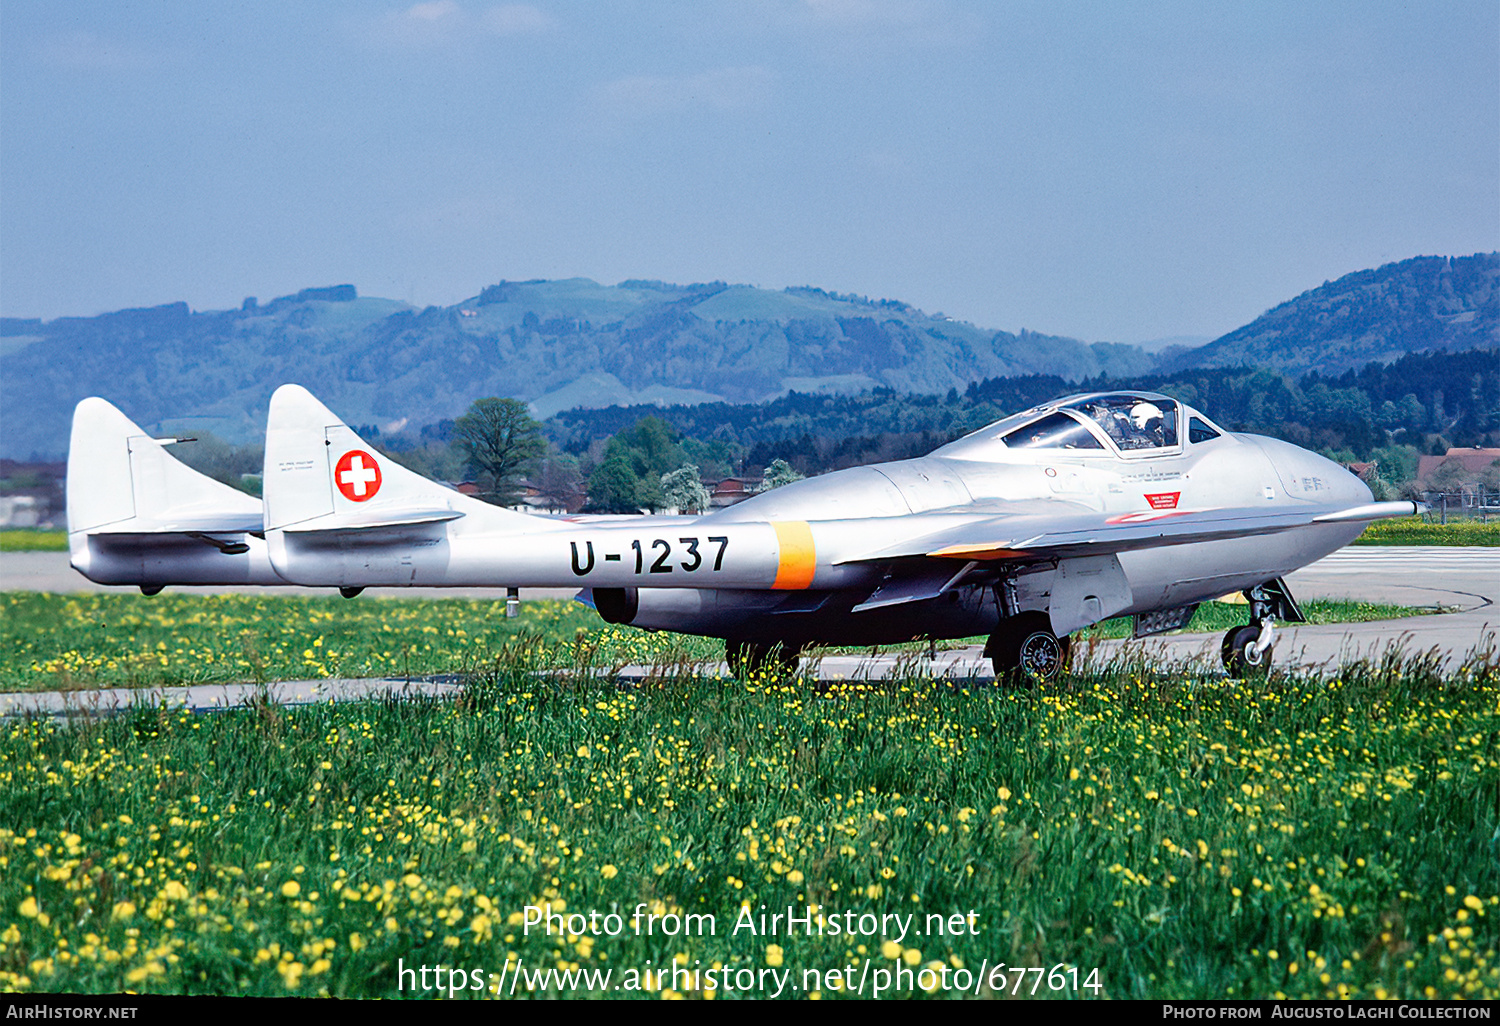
point(1462, 582)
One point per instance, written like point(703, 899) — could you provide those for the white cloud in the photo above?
point(442, 23)
point(434, 11)
point(722, 89)
point(881, 24)
point(516, 20)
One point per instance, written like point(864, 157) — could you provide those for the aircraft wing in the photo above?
point(1088, 534)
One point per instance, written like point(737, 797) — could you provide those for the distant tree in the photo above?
point(779, 473)
point(561, 483)
point(435, 461)
point(1398, 463)
point(614, 487)
point(654, 447)
point(715, 458)
point(682, 490)
point(232, 464)
point(500, 441)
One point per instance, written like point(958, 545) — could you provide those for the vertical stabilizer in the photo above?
point(138, 516)
point(321, 476)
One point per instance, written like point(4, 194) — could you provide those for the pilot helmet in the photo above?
point(1143, 414)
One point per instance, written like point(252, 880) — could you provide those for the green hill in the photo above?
point(1420, 305)
point(565, 344)
point(556, 344)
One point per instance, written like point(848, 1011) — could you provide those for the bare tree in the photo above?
point(501, 442)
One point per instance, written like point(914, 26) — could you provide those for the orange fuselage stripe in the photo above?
point(797, 558)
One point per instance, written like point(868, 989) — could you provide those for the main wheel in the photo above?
point(750, 657)
point(1238, 651)
point(1027, 651)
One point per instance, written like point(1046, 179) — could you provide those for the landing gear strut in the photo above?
point(746, 658)
point(1247, 649)
point(1026, 651)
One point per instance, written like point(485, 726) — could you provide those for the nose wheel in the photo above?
point(1027, 652)
point(1247, 650)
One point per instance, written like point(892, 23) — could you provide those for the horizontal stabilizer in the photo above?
point(207, 523)
point(375, 520)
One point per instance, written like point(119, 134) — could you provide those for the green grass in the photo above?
point(1217, 617)
point(1414, 531)
point(25, 539)
point(63, 642)
point(1185, 838)
point(72, 641)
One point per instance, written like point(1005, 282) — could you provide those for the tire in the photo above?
point(1028, 653)
point(1239, 658)
point(746, 658)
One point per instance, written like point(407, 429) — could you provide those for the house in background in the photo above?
point(31, 494)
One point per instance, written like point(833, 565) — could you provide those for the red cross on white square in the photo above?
point(357, 475)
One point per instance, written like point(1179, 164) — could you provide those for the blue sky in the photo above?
point(1112, 171)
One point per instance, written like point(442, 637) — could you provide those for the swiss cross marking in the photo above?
point(357, 475)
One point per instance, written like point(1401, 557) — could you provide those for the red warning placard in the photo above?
point(1164, 500)
point(357, 475)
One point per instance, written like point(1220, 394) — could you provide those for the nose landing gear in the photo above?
point(1247, 650)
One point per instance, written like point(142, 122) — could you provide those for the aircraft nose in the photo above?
point(1306, 475)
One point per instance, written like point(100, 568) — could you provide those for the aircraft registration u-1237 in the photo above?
point(1085, 508)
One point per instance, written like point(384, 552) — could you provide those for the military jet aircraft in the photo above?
point(1088, 507)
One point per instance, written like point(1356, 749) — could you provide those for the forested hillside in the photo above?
point(1428, 401)
point(1424, 304)
point(561, 345)
point(554, 344)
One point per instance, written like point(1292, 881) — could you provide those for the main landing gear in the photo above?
point(747, 658)
point(1247, 650)
point(1025, 651)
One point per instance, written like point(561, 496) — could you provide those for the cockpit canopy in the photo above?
point(1101, 423)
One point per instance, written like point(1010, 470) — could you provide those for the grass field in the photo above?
point(52, 641)
point(1413, 531)
point(24, 539)
point(1130, 835)
point(1134, 833)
